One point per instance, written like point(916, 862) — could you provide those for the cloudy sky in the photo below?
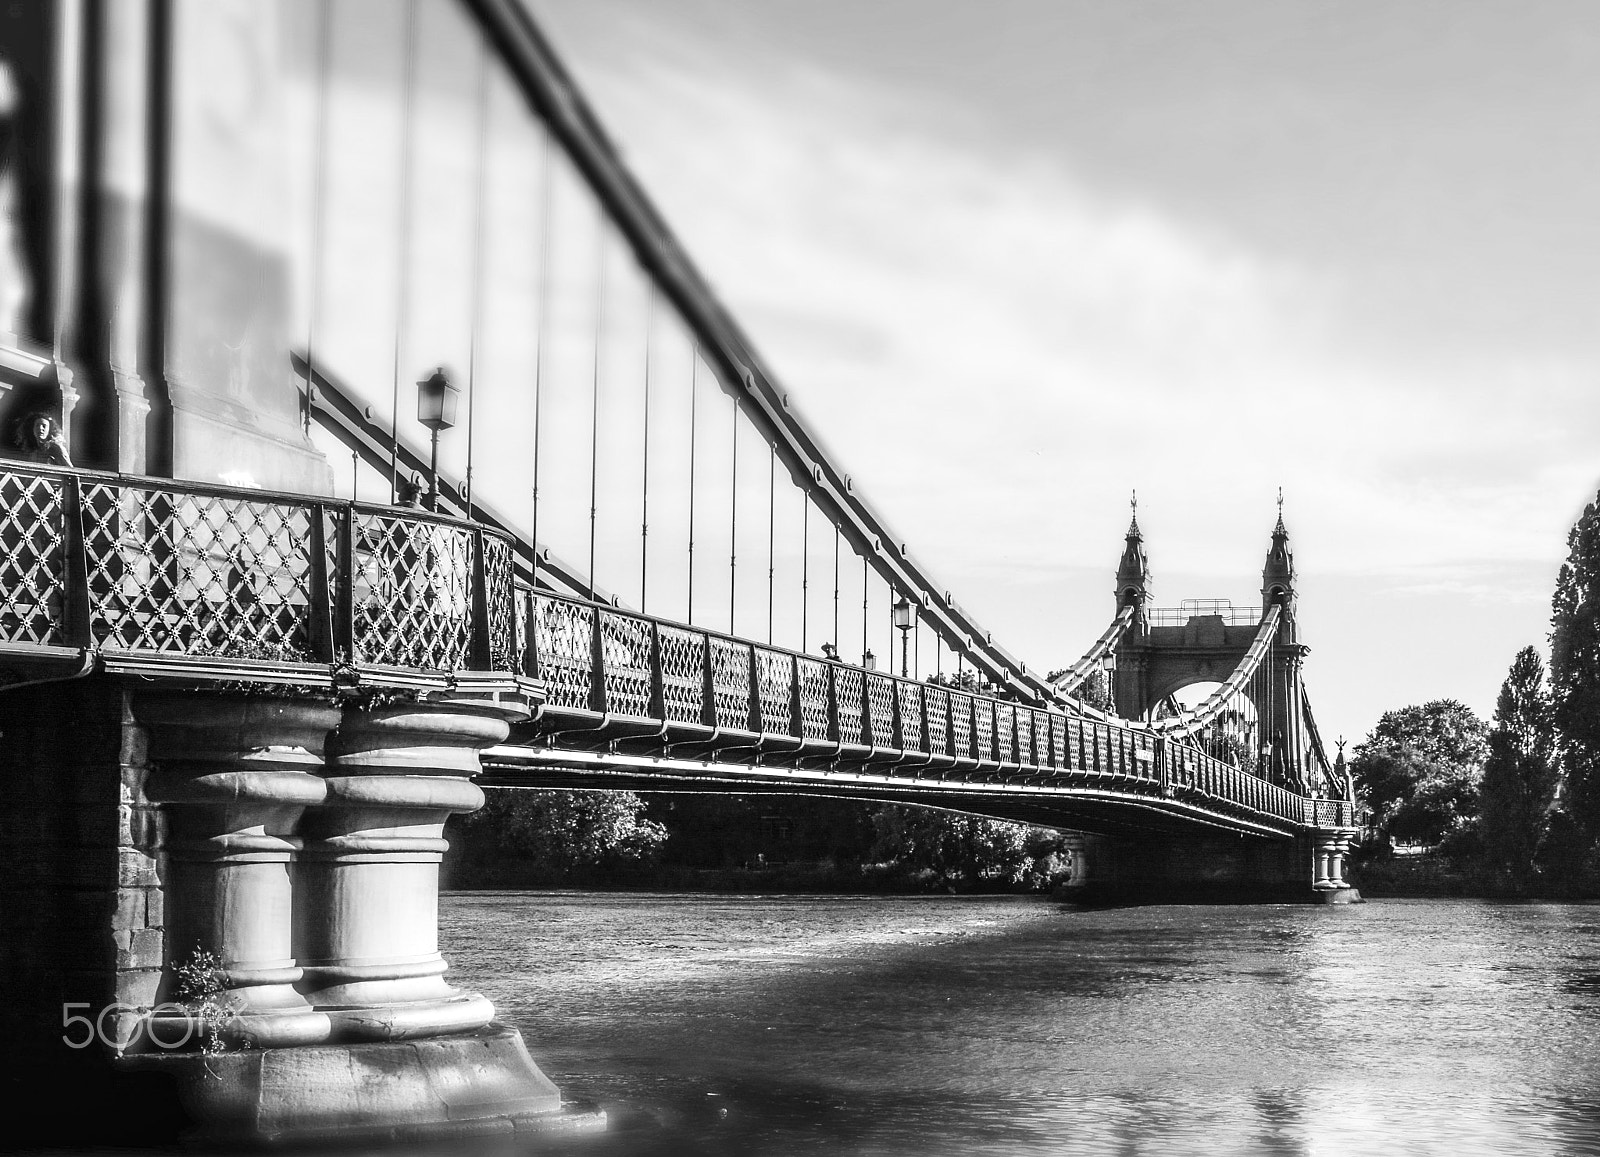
point(1016, 259)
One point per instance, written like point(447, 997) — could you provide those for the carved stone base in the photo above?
point(482, 1083)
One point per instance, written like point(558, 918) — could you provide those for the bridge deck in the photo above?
point(209, 582)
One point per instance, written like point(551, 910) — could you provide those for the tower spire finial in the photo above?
point(1133, 574)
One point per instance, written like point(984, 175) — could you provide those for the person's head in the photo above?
point(39, 427)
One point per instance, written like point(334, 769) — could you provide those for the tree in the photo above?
point(1520, 774)
point(961, 849)
point(1418, 770)
point(1094, 691)
point(558, 833)
point(963, 680)
point(1575, 670)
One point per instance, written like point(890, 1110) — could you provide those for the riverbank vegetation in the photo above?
point(718, 842)
point(1511, 808)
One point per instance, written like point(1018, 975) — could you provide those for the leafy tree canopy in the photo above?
point(1520, 775)
point(1418, 770)
point(1575, 668)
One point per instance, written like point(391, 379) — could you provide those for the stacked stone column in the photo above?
point(367, 923)
point(235, 776)
point(1328, 858)
point(303, 852)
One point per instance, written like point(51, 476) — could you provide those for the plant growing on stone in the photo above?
point(201, 991)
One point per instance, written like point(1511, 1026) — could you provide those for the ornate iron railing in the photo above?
point(1223, 609)
point(118, 563)
point(613, 676)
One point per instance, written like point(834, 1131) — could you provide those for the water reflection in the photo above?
point(957, 1025)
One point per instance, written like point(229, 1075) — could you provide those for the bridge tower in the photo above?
point(1203, 640)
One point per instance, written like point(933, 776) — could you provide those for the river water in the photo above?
point(985, 1025)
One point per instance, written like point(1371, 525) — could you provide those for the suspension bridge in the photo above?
point(272, 629)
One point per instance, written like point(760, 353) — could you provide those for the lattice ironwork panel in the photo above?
point(501, 599)
point(847, 686)
point(983, 729)
point(880, 708)
point(1024, 734)
point(564, 644)
point(413, 592)
point(625, 661)
point(730, 683)
point(961, 726)
point(938, 701)
point(1005, 718)
point(1043, 749)
point(910, 715)
point(683, 673)
point(33, 574)
point(198, 573)
point(774, 689)
point(1058, 741)
point(813, 698)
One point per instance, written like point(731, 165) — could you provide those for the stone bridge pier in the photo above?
point(1218, 869)
point(223, 922)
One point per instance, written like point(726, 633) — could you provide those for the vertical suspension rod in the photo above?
point(772, 514)
point(543, 322)
point(866, 571)
point(594, 392)
point(733, 523)
point(644, 487)
point(319, 196)
point(805, 570)
point(837, 641)
point(694, 396)
point(402, 310)
point(481, 184)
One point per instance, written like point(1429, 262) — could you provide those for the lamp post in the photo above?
point(436, 409)
point(902, 623)
point(869, 661)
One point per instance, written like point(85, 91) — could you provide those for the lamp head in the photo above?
point(436, 401)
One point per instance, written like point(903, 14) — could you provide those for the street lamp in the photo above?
point(436, 409)
point(869, 661)
point(902, 623)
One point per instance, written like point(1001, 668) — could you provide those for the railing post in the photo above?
point(597, 663)
point(481, 653)
point(344, 600)
point(658, 689)
point(796, 724)
point(322, 596)
point(833, 703)
point(897, 724)
point(75, 611)
point(752, 719)
point(708, 694)
point(530, 641)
